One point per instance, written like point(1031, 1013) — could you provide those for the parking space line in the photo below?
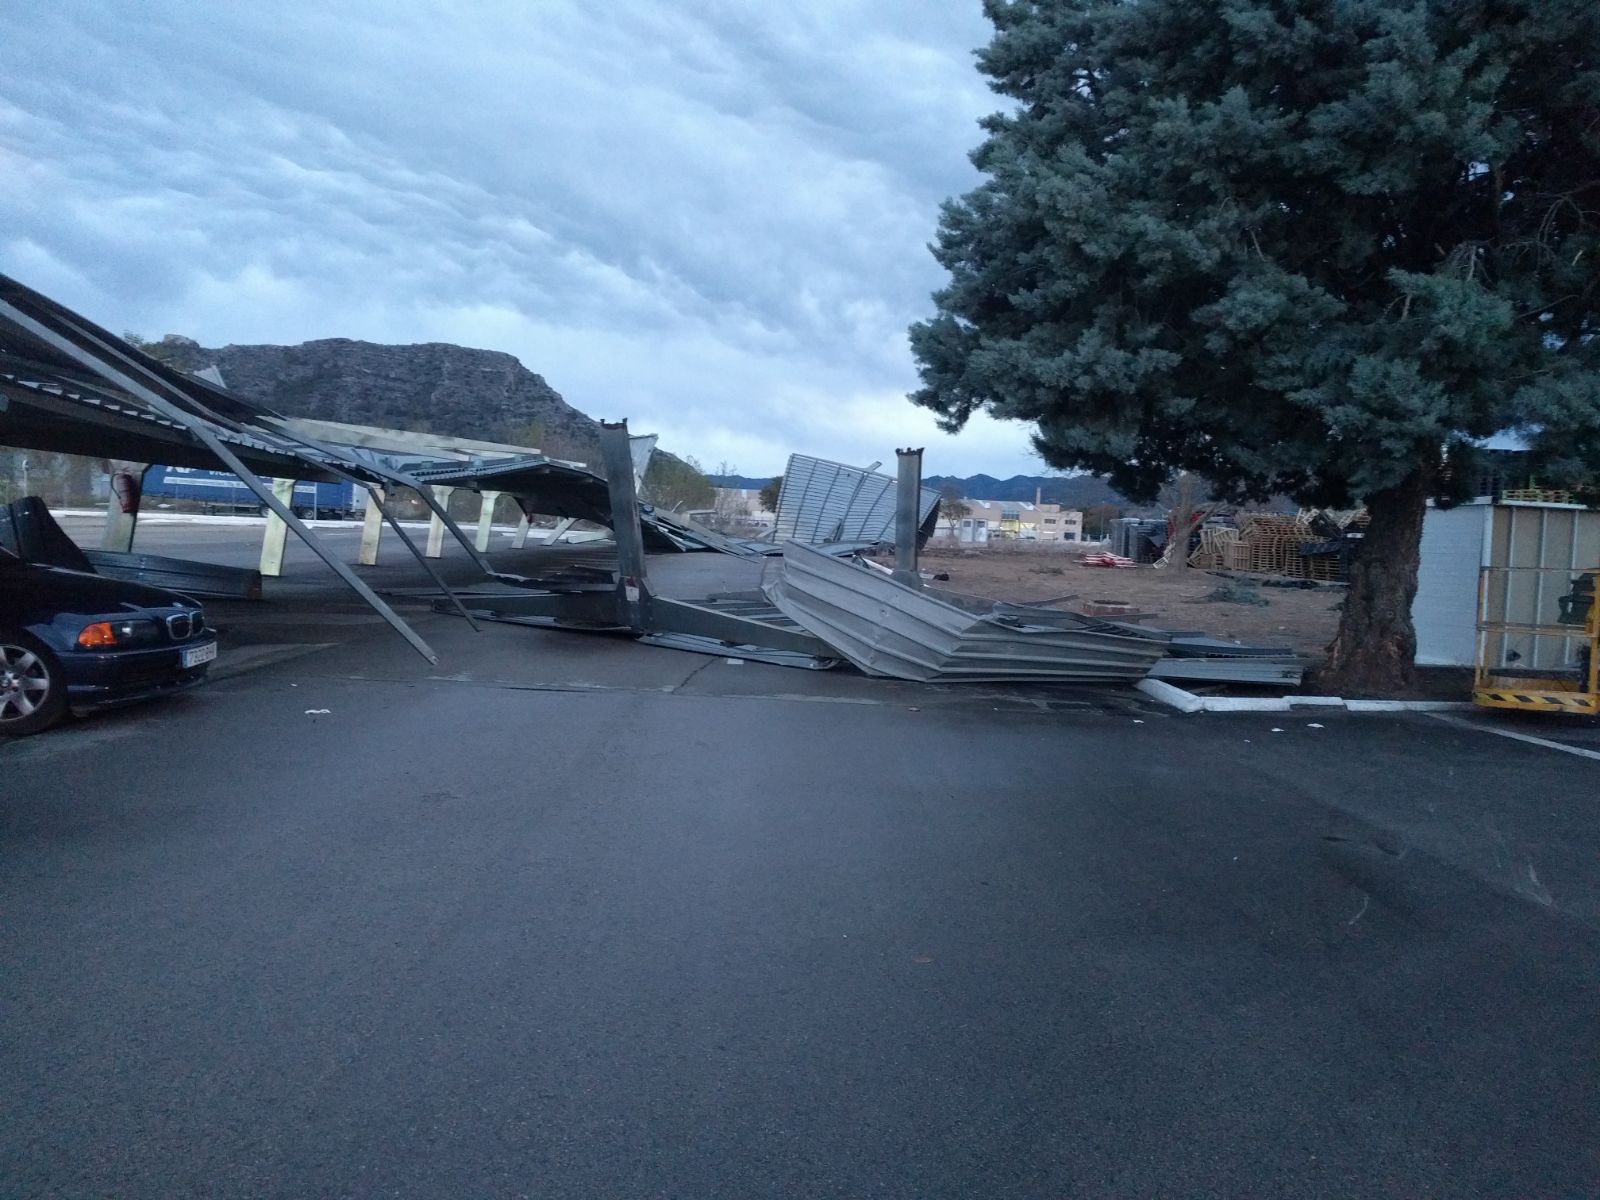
point(1519, 737)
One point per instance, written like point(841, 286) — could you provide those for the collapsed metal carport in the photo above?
point(70, 386)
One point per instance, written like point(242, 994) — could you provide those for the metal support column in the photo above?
point(633, 596)
point(908, 503)
point(371, 528)
point(276, 533)
point(441, 503)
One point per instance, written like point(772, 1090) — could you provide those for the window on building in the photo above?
point(1069, 536)
point(1049, 520)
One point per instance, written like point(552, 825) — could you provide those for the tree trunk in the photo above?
point(1374, 651)
point(1179, 518)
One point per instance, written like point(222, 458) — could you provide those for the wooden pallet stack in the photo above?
point(1270, 544)
point(1216, 548)
point(1538, 495)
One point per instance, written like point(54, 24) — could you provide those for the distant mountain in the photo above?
point(1069, 491)
point(740, 481)
point(1076, 491)
point(433, 387)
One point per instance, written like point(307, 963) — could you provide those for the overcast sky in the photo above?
point(708, 216)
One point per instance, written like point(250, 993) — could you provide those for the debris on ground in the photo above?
point(890, 626)
point(829, 601)
point(1303, 621)
point(1231, 591)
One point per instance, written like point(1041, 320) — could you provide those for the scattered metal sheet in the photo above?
point(178, 574)
point(29, 531)
point(696, 536)
point(822, 501)
point(1190, 654)
point(886, 626)
point(545, 485)
point(1269, 672)
point(1190, 645)
point(722, 649)
point(736, 625)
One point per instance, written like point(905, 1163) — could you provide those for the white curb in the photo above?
point(1187, 702)
point(1159, 689)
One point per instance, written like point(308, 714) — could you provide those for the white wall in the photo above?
point(1445, 611)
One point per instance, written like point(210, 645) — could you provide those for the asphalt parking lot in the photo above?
point(568, 916)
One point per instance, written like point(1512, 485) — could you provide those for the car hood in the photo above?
point(82, 591)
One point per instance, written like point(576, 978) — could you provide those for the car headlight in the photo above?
point(105, 634)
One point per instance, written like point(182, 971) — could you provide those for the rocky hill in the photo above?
point(433, 387)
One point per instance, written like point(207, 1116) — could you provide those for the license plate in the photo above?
point(200, 654)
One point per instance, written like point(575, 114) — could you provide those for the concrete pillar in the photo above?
point(371, 528)
point(272, 541)
point(435, 525)
point(560, 531)
point(520, 538)
point(486, 505)
point(122, 508)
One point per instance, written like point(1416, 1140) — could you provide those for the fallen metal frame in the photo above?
point(192, 578)
point(738, 624)
point(749, 625)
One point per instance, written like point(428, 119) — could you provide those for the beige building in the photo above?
point(983, 521)
point(743, 507)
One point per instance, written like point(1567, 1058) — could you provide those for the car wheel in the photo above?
point(33, 690)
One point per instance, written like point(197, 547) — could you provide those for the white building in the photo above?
point(743, 507)
point(977, 522)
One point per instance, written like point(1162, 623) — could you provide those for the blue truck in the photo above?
point(221, 492)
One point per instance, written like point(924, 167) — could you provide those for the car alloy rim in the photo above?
point(24, 683)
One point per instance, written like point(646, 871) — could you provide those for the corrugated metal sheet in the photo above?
point(178, 574)
point(889, 628)
point(823, 501)
point(1264, 671)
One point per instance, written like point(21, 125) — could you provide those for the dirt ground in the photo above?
point(1301, 619)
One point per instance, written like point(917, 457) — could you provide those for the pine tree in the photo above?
point(1306, 247)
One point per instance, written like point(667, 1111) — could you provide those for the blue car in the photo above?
point(73, 641)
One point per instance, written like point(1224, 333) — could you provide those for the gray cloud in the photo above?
point(708, 217)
